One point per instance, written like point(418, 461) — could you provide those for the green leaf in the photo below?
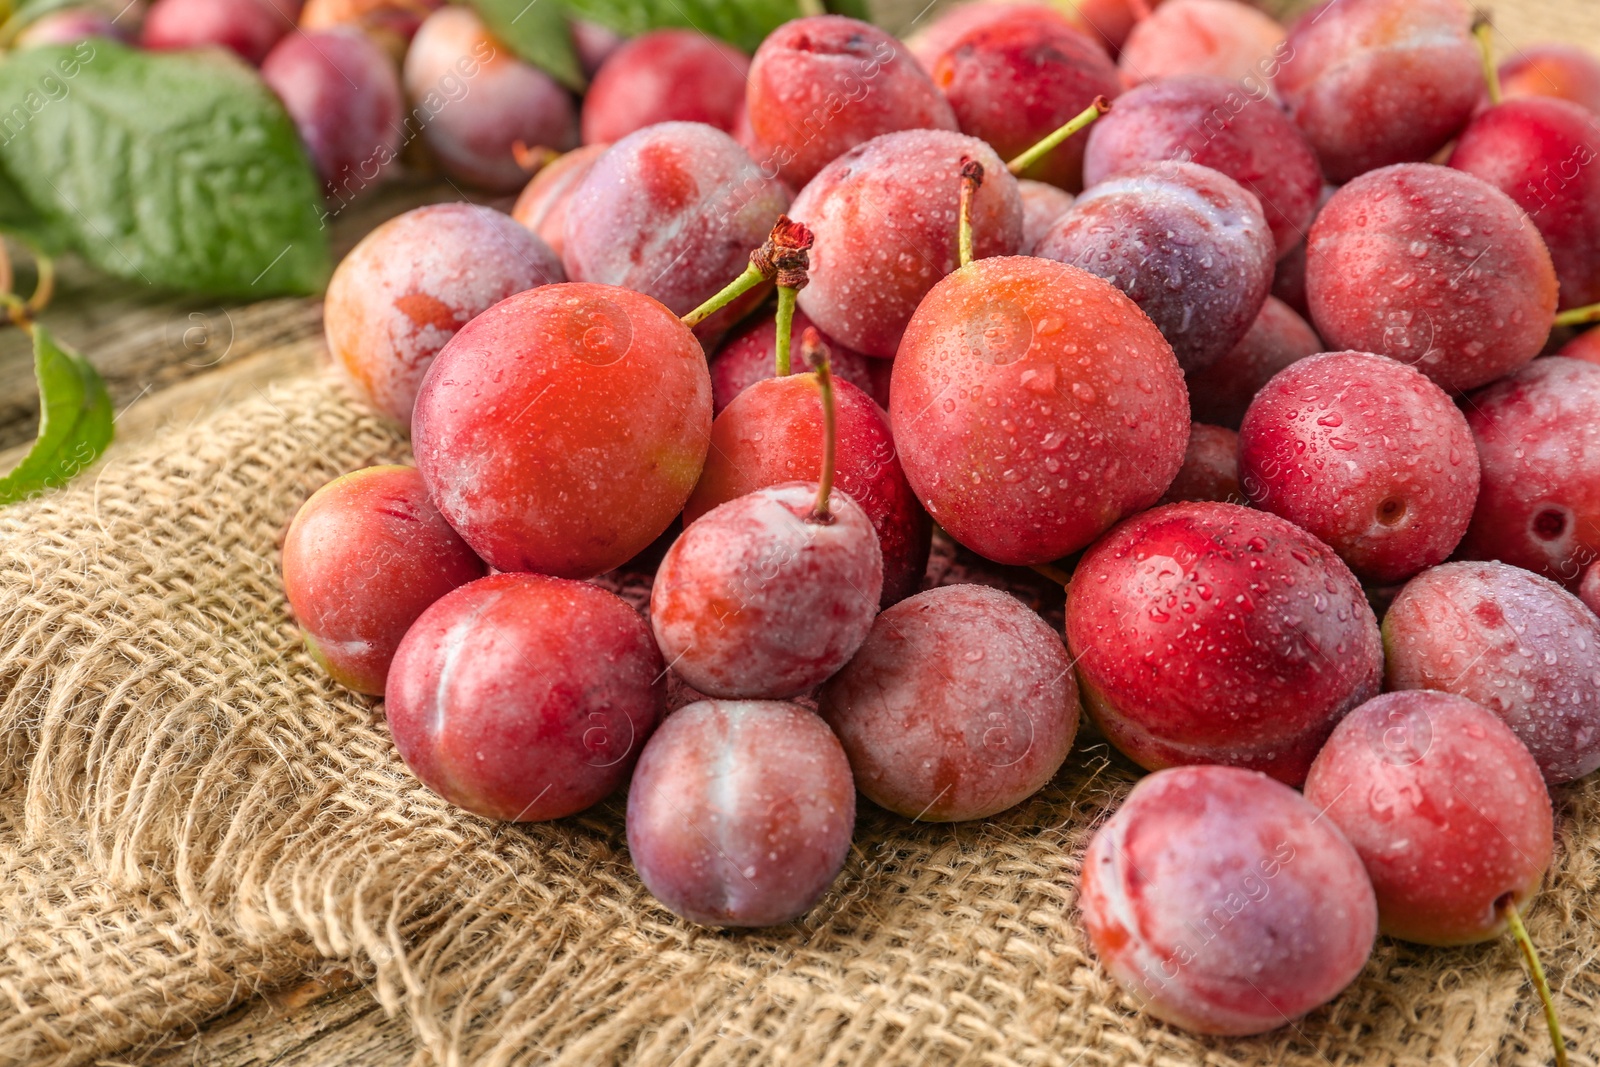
point(20, 219)
point(178, 169)
point(537, 31)
point(75, 421)
point(744, 23)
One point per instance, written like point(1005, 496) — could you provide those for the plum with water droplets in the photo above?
point(1221, 393)
point(1210, 468)
point(1212, 121)
point(1212, 633)
point(740, 812)
point(413, 282)
point(1433, 267)
point(1368, 455)
point(542, 204)
point(364, 556)
point(1539, 153)
point(1538, 436)
point(1520, 645)
point(1034, 405)
point(562, 430)
point(669, 75)
point(1042, 205)
point(749, 356)
point(673, 211)
point(822, 85)
point(1014, 82)
point(1378, 82)
point(1224, 38)
point(938, 35)
point(525, 698)
point(885, 216)
point(960, 704)
point(1222, 902)
point(477, 100)
point(1187, 243)
point(1589, 588)
point(1446, 809)
point(1555, 70)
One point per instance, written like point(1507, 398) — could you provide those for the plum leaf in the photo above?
point(75, 421)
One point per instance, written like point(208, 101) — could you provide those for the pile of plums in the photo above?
point(1280, 346)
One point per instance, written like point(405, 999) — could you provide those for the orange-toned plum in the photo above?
point(1213, 633)
point(562, 430)
point(542, 204)
point(1224, 903)
point(1559, 71)
point(1033, 406)
point(525, 698)
point(413, 282)
point(364, 557)
point(740, 812)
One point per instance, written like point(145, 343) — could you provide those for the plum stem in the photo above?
point(971, 179)
point(785, 329)
point(533, 160)
point(815, 354)
point(1536, 971)
point(1098, 107)
point(783, 257)
point(1481, 29)
point(21, 312)
point(1579, 316)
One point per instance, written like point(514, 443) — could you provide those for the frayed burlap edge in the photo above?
point(168, 743)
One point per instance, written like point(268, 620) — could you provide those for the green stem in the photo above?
point(1100, 106)
point(1491, 74)
point(1579, 316)
point(730, 292)
point(786, 298)
point(1540, 983)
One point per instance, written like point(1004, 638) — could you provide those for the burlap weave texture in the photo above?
point(188, 811)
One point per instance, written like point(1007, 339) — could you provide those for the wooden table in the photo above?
point(169, 361)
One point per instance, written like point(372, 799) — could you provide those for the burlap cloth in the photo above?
point(189, 812)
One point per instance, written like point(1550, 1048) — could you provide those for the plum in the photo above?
point(768, 595)
point(1378, 82)
point(822, 85)
point(71, 25)
point(960, 704)
point(525, 698)
point(1368, 455)
point(740, 812)
point(1432, 267)
point(399, 18)
point(937, 36)
point(772, 433)
point(542, 204)
point(1042, 205)
point(413, 282)
point(248, 27)
point(749, 357)
point(344, 96)
point(1585, 346)
point(1516, 643)
point(665, 76)
point(1555, 70)
point(1223, 902)
point(1224, 38)
point(1210, 468)
point(1222, 392)
point(673, 211)
point(1214, 122)
point(1034, 405)
point(562, 430)
point(1446, 809)
point(884, 215)
point(1188, 244)
point(1589, 588)
point(363, 558)
point(1212, 633)
point(1538, 437)
point(476, 101)
point(1538, 152)
point(1013, 83)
